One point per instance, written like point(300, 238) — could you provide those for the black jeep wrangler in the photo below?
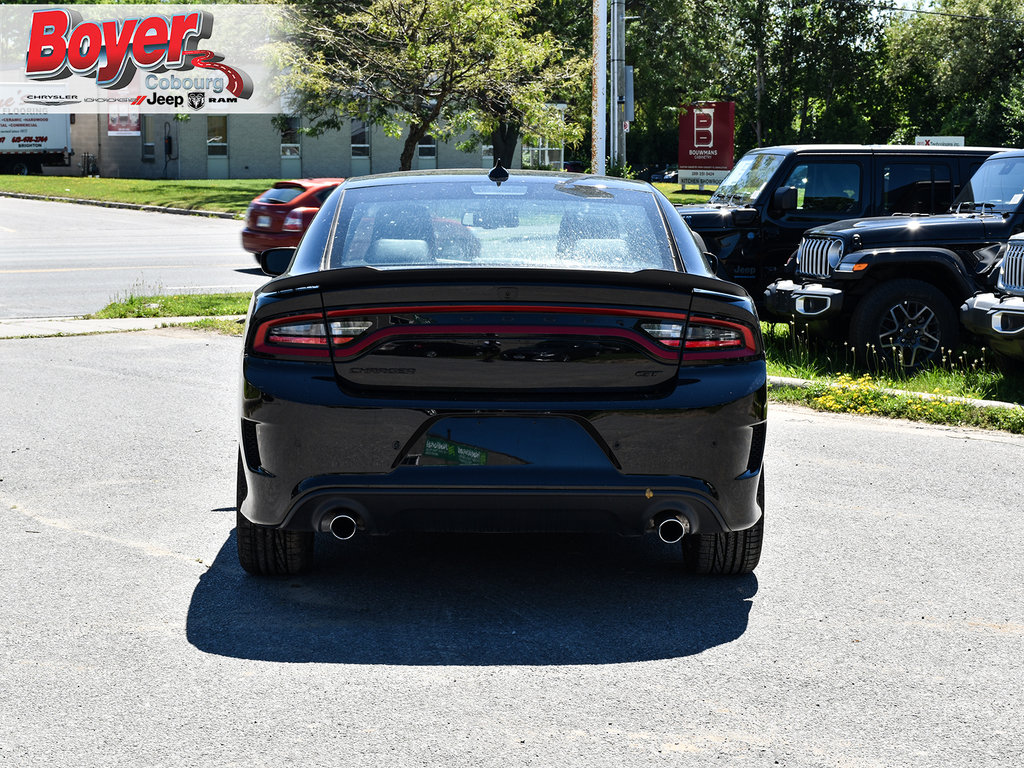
point(891, 285)
point(755, 219)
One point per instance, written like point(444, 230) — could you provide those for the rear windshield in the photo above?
point(570, 224)
point(279, 195)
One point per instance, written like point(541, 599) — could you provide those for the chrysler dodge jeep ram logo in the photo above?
point(196, 100)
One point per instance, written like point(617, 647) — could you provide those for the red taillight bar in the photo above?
point(719, 349)
point(265, 341)
point(738, 339)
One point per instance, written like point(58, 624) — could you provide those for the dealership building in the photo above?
point(241, 146)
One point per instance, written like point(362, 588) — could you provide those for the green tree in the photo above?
point(798, 70)
point(437, 67)
point(810, 64)
point(957, 71)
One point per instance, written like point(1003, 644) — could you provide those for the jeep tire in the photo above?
point(904, 324)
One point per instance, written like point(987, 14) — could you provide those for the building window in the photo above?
point(217, 135)
point(427, 148)
point(290, 138)
point(360, 139)
point(148, 133)
point(541, 155)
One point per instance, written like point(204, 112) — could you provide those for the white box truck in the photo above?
point(30, 141)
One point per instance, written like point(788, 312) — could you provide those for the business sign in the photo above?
point(939, 141)
point(706, 142)
point(155, 58)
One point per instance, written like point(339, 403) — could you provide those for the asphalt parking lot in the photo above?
point(884, 626)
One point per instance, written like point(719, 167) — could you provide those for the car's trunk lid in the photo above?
point(505, 330)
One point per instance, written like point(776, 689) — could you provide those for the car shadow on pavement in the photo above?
point(470, 600)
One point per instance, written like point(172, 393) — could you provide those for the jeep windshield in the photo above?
point(997, 186)
point(747, 178)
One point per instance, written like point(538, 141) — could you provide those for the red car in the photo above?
point(278, 217)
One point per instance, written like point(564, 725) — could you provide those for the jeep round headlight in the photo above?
point(835, 253)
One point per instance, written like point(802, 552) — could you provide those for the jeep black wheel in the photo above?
point(904, 324)
point(726, 554)
point(266, 551)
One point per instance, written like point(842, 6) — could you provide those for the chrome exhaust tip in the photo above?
point(672, 529)
point(343, 527)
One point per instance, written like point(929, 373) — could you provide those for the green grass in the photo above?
point(226, 326)
point(182, 305)
point(680, 196)
point(969, 372)
point(225, 195)
point(865, 396)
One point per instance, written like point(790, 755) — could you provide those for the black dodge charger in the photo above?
point(512, 351)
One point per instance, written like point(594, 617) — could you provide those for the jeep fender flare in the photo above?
point(951, 274)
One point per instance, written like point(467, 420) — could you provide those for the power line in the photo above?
point(888, 8)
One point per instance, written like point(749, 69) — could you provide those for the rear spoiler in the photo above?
point(354, 277)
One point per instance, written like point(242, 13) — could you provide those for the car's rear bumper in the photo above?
point(475, 499)
point(312, 452)
point(803, 301)
point(256, 241)
point(997, 319)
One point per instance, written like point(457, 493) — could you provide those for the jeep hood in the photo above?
point(711, 216)
point(914, 230)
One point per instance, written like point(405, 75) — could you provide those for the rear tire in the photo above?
point(726, 554)
point(266, 551)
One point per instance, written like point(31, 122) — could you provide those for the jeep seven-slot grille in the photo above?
point(1011, 276)
point(813, 257)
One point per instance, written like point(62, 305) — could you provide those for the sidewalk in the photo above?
point(15, 328)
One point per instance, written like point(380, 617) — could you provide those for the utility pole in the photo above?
point(599, 74)
point(618, 83)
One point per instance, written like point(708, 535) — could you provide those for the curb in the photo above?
point(782, 381)
point(126, 206)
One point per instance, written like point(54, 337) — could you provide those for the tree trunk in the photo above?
point(412, 140)
point(503, 143)
point(408, 151)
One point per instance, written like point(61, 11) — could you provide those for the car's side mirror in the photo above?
point(784, 199)
point(276, 261)
point(712, 261)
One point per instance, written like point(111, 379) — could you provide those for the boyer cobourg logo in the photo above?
point(62, 45)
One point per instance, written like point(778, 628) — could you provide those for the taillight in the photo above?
point(344, 331)
point(297, 219)
point(667, 333)
point(301, 335)
point(305, 335)
point(715, 339)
